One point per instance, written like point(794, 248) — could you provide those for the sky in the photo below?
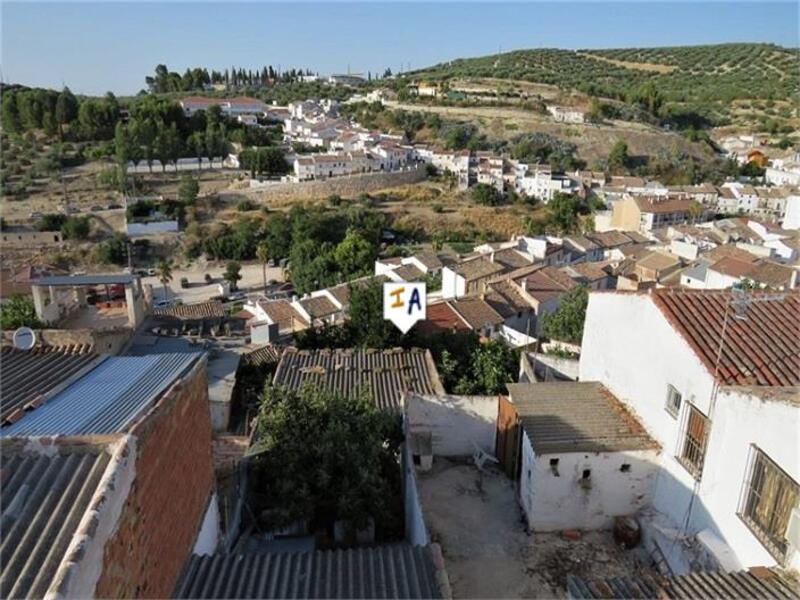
point(97, 47)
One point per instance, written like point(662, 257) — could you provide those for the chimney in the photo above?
point(524, 285)
point(491, 256)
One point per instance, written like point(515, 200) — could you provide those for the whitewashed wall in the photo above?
point(455, 422)
point(416, 531)
point(630, 347)
point(453, 285)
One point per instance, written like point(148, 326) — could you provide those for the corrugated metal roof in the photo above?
point(109, 279)
point(385, 374)
point(576, 417)
point(395, 571)
point(45, 494)
point(28, 375)
point(107, 399)
point(756, 582)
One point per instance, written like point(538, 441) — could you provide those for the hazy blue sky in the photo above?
point(95, 47)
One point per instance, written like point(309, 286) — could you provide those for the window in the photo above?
point(693, 441)
point(673, 405)
point(768, 498)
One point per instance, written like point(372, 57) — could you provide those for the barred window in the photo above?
point(673, 405)
point(693, 441)
point(767, 501)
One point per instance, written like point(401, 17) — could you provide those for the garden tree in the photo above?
point(493, 364)
point(66, 110)
point(164, 273)
point(485, 194)
point(566, 323)
point(76, 228)
point(366, 326)
point(114, 250)
point(18, 311)
point(648, 97)
point(313, 265)
point(563, 212)
point(324, 457)
point(233, 273)
point(11, 120)
point(264, 161)
point(278, 235)
point(262, 254)
point(618, 157)
point(188, 189)
point(354, 255)
point(51, 222)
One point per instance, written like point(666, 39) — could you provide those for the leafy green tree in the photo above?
point(233, 273)
point(188, 189)
point(366, 326)
point(66, 109)
point(164, 273)
point(563, 212)
point(114, 250)
point(324, 457)
point(485, 194)
point(354, 255)
point(566, 323)
point(618, 157)
point(76, 228)
point(18, 311)
point(12, 122)
point(492, 366)
point(51, 222)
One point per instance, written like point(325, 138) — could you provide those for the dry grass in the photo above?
point(637, 66)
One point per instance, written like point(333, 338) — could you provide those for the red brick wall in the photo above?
point(168, 498)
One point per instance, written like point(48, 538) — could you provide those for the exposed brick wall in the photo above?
point(168, 498)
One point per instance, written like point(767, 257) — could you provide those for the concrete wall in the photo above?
point(27, 239)
point(568, 501)
point(346, 186)
point(416, 531)
point(630, 347)
point(174, 482)
point(455, 422)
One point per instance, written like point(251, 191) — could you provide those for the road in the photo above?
point(199, 291)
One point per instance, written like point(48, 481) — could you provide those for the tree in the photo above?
point(12, 122)
point(324, 457)
point(366, 326)
point(18, 311)
point(75, 228)
point(164, 273)
point(114, 250)
point(262, 253)
point(618, 157)
point(232, 273)
point(354, 255)
point(189, 189)
point(563, 210)
point(566, 323)
point(485, 194)
point(492, 366)
point(66, 109)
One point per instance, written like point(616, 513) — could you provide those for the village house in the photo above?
point(232, 107)
point(698, 368)
point(640, 213)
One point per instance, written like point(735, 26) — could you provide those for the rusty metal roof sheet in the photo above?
point(761, 349)
point(576, 417)
point(392, 571)
point(756, 582)
point(263, 355)
point(384, 374)
point(27, 376)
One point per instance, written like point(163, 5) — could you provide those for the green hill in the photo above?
point(723, 72)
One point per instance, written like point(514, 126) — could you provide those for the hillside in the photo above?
point(723, 72)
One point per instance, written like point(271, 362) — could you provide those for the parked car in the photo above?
point(163, 303)
point(36, 215)
point(151, 272)
point(271, 262)
point(184, 282)
point(237, 296)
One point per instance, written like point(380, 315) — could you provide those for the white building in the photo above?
point(725, 411)
point(585, 458)
point(565, 114)
point(232, 107)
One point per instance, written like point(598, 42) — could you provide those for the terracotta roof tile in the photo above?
point(763, 348)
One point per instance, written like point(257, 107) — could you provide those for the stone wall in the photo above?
point(348, 186)
point(169, 496)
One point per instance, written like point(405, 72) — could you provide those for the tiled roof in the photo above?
point(576, 417)
point(763, 348)
point(728, 250)
point(409, 272)
point(441, 317)
point(27, 376)
point(284, 314)
point(478, 268)
point(319, 306)
point(590, 271)
point(658, 261)
point(756, 582)
point(192, 311)
point(384, 374)
point(264, 355)
point(608, 239)
point(663, 205)
point(506, 298)
point(547, 283)
point(392, 571)
point(430, 259)
point(767, 272)
point(107, 399)
point(47, 489)
point(477, 312)
point(510, 258)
